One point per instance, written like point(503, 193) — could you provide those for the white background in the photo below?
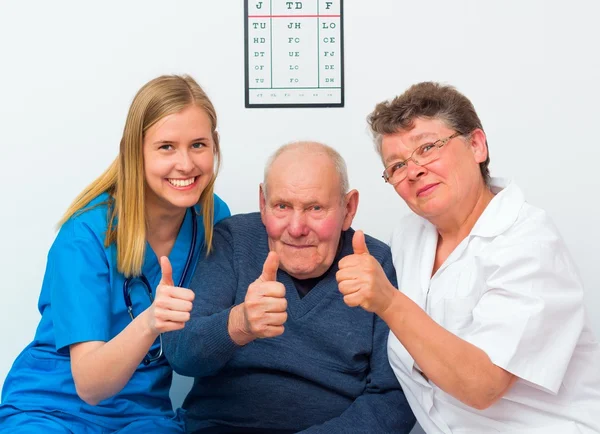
point(69, 70)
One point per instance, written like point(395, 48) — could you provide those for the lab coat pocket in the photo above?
point(458, 312)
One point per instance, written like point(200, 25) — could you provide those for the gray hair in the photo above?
point(312, 147)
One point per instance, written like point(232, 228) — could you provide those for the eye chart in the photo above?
point(294, 53)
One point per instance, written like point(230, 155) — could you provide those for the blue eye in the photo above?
point(281, 206)
point(317, 208)
point(427, 147)
point(198, 145)
point(166, 146)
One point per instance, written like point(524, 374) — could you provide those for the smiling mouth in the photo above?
point(294, 246)
point(181, 182)
point(426, 189)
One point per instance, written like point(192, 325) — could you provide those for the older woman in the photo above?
point(488, 330)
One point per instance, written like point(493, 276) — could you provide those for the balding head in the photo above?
point(306, 149)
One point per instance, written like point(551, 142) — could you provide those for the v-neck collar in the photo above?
point(177, 256)
point(497, 217)
point(297, 306)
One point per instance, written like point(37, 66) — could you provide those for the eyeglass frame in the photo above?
point(438, 144)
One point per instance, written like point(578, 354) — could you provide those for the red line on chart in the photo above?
point(293, 16)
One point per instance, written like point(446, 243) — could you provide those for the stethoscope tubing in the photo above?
point(127, 286)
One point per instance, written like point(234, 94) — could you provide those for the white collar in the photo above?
point(502, 211)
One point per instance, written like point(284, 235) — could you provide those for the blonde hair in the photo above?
point(124, 179)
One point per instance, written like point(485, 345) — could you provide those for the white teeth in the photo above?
point(181, 182)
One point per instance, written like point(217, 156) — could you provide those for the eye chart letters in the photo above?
point(294, 53)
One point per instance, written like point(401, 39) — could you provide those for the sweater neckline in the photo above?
point(297, 306)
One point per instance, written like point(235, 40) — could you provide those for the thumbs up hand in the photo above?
point(359, 245)
point(263, 312)
point(361, 279)
point(269, 272)
point(172, 305)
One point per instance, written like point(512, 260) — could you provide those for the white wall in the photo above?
point(69, 69)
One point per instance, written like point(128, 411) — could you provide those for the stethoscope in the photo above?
point(127, 287)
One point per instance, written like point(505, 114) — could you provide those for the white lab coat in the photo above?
point(511, 289)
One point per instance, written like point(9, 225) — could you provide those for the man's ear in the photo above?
point(478, 145)
point(262, 201)
point(351, 205)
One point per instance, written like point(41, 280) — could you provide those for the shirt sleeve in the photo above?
point(204, 346)
point(78, 278)
point(529, 319)
point(382, 408)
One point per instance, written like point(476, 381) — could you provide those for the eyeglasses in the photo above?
point(396, 172)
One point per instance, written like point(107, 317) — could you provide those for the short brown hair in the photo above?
point(427, 100)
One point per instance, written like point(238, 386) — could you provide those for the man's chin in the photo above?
point(300, 272)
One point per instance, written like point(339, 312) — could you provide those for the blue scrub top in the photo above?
point(82, 300)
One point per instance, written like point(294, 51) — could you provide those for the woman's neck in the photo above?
point(453, 230)
point(456, 228)
point(162, 227)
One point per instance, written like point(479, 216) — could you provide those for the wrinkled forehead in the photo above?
point(399, 145)
point(301, 176)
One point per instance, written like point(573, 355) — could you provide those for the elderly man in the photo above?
point(272, 345)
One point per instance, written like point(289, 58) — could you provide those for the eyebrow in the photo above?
point(392, 158)
point(287, 201)
point(419, 137)
point(168, 142)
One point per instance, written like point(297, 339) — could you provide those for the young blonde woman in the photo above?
point(116, 276)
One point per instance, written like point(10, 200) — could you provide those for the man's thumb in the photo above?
point(358, 243)
point(167, 271)
point(269, 273)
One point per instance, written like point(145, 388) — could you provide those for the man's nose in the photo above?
point(297, 226)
